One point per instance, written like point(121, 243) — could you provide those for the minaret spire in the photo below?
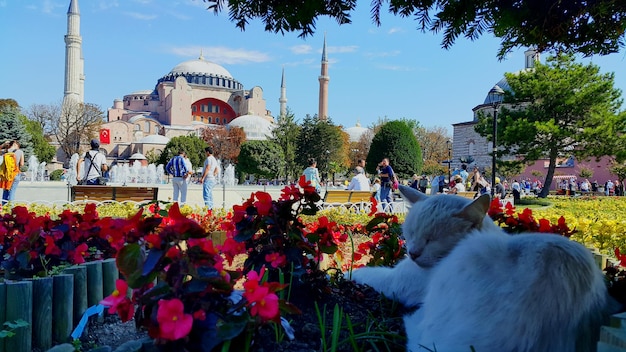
point(323, 78)
point(74, 62)
point(283, 96)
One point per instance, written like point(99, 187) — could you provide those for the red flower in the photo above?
point(51, 247)
point(173, 253)
point(374, 207)
point(305, 185)
point(263, 203)
point(153, 240)
point(621, 257)
point(290, 192)
point(78, 255)
point(174, 324)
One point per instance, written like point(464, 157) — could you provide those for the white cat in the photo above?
point(478, 286)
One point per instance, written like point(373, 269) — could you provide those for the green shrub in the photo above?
point(56, 175)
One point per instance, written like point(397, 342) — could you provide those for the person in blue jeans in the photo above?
point(208, 177)
point(385, 172)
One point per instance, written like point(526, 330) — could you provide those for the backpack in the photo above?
point(8, 170)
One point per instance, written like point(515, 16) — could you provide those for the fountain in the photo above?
point(71, 171)
point(33, 165)
point(41, 171)
point(136, 173)
point(229, 176)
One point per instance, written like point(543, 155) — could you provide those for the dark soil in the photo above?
point(376, 321)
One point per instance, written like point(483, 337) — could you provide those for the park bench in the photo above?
point(469, 195)
point(117, 193)
point(347, 198)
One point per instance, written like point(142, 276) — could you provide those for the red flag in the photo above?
point(105, 136)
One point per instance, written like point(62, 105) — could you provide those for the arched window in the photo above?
point(470, 148)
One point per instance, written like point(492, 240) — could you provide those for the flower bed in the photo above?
point(178, 284)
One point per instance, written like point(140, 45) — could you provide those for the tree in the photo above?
point(434, 148)
point(12, 128)
point(588, 27)
point(285, 134)
point(192, 145)
point(41, 148)
point(324, 141)
point(45, 115)
point(10, 103)
point(76, 124)
point(225, 142)
point(396, 141)
point(560, 108)
point(261, 158)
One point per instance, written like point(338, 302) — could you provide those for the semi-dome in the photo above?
point(137, 156)
point(154, 139)
point(256, 127)
point(201, 66)
point(356, 132)
point(502, 84)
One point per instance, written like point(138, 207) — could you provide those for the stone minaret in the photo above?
point(283, 96)
point(74, 66)
point(324, 78)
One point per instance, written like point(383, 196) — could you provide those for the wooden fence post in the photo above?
point(94, 283)
point(42, 313)
point(3, 309)
point(79, 273)
point(62, 308)
point(110, 274)
point(20, 306)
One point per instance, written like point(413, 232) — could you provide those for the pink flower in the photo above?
point(174, 324)
point(276, 259)
point(118, 302)
point(78, 254)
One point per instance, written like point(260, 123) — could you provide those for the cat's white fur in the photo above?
point(478, 286)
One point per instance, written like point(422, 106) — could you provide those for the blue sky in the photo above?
point(391, 71)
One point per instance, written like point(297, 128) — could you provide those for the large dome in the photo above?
point(201, 66)
point(356, 132)
point(255, 127)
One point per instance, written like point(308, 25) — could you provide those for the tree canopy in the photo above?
point(192, 145)
point(395, 140)
point(12, 128)
point(587, 27)
point(559, 109)
point(324, 141)
point(261, 158)
point(285, 134)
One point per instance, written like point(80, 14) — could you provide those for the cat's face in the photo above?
point(435, 224)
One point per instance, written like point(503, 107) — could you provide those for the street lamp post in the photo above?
point(495, 99)
point(449, 160)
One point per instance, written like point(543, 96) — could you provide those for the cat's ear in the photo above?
point(475, 212)
point(411, 194)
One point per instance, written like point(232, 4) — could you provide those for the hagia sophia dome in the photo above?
point(356, 132)
point(201, 66)
point(256, 127)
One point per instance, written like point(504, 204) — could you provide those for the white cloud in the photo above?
point(340, 49)
point(300, 49)
point(395, 68)
point(395, 30)
point(222, 55)
point(107, 4)
point(383, 54)
point(49, 6)
point(140, 16)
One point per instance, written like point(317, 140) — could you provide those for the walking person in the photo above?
point(9, 194)
point(423, 184)
point(209, 173)
point(95, 163)
point(178, 169)
point(385, 172)
point(312, 175)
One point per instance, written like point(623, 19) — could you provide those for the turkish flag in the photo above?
point(105, 136)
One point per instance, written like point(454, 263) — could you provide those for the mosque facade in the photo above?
point(194, 95)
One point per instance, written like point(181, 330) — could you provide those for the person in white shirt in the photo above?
point(459, 186)
point(208, 177)
point(359, 181)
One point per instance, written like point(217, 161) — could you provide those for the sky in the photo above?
point(392, 71)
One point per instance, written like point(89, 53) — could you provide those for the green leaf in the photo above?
point(231, 328)
point(130, 261)
point(374, 222)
